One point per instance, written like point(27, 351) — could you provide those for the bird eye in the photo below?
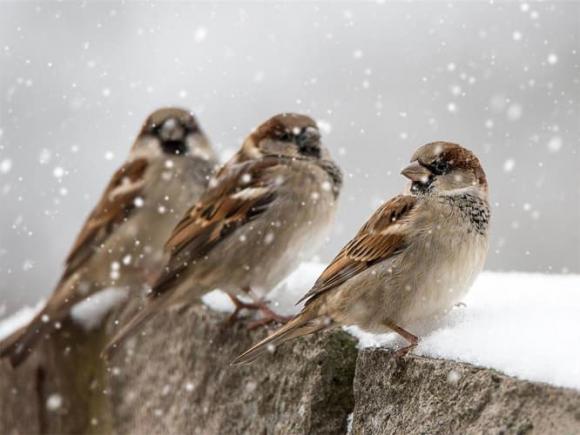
point(439, 167)
point(285, 136)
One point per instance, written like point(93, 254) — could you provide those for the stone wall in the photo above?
point(177, 379)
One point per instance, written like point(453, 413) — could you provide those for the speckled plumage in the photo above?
point(266, 210)
point(121, 244)
point(415, 257)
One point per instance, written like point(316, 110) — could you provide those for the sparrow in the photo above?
point(267, 209)
point(121, 243)
point(415, 258)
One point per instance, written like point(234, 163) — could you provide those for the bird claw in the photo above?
point(240, 305)
point(405, 350)
point(269, 316)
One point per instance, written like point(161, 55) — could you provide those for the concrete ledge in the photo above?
point(177, 379)
point(422, 395)
point(181, 381)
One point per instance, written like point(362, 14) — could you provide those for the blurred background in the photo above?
point(502, 78)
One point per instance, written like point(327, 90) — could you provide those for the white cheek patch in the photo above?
point(251, 150)
point(199, 148)
point(394, 228)
point(250, 193)
point(201, 153)
point(147, 147)
point(126, 187)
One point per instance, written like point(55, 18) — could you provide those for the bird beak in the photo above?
point(172, 130)
point(416, 172)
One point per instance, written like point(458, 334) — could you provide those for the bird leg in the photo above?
point(268, 315)
point(411, 338)
point(240, 305)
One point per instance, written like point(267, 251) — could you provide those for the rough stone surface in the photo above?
point(177, 380)
point(59, 389)
point(168, 384)
point(420, 395)
point(19, 404)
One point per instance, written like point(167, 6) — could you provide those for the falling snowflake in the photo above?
point(509, 165)
point(5, 166)
point(555, 144)
point(58, 172)
point(324, 126)
point(200, 34)
point(54, 402)
point(514, 112)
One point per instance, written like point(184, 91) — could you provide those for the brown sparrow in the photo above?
point(267, 210)
point(121, 243)
point(413, 259)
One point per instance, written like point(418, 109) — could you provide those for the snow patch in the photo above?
point(219, 301)
point(19, 319)
point(284, 296)
point(521, 324)
point(90, 312)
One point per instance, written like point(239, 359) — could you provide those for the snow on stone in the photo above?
point(282, 299)
point(218, 301)
point(18, 319)
point(349, 419)
point(91, 311)
point(522, 324)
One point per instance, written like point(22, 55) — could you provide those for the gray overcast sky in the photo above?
point(76, 81)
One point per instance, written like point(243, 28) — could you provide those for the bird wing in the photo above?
point(116, 205)
point(381, 237)
point(237, 197)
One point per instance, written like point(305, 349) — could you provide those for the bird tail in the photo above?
point(18, 345)
point(127, 330)
point(303, 324)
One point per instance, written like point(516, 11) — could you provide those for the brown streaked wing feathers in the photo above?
point(373, 243)
point(218, 214)
point(107, 213)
